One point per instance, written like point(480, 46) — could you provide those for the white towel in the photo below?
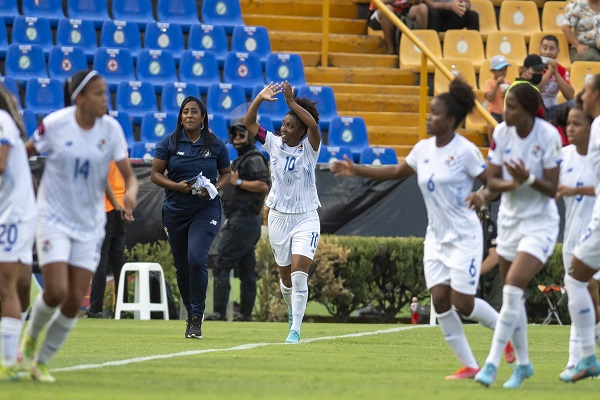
point(203, 182)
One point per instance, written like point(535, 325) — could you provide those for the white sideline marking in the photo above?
point(235, 348)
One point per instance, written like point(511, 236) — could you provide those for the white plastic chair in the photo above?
point(141, 306)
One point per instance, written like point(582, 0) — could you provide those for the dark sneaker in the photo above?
point(216, 316)
point(91, 314)
point(188, 323)
point(195, 330)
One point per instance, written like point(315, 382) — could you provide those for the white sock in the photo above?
point(581, 309)
point(507, 320)
point(597, 334)
point(287, 293)
point(40, 315)
point(519, 337)
point(456, 339)
point(574, 351)
point(484, 313)
point(10, 330)
point(299, 298)
point(59, 329)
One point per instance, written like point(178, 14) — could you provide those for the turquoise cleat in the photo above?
point(487, 375)
point(586, 367)
point(293, 337)
point(520, 373)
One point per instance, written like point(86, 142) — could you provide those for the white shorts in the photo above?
point(293, 234)
point(535, 236)
point(456, 264)
point(16, 241)
point(588, 249)
point(568, 258)
point(53, 245)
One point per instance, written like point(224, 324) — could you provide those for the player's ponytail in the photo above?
point(459, 100)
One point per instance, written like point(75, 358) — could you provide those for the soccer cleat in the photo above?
point(520, 373)
point(567, 373)
point(463, 373)
point(293, 337)
point(290, 317)
point(41, 373)
point(8, 374)
point(195, 328)
point(509, 353)
point(487, 374)
point(26, 352)
point(586, 367)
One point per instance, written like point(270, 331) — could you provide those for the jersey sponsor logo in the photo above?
point(180, 153)
point(507, 151)
point(69, 143)
point(213, 222)
point(426, 161)
point(569, 170)
point(205, 153)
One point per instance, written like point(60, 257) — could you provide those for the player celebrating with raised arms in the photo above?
point(447, 165)
point(294, 225)
point(80, 141)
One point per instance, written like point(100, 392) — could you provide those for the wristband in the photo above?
point(529, 181)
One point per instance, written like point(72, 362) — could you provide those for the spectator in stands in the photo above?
point(495, 88)
point(451, 14)
point(446, 166)
point(532, 71)
point(80, 142)
point(412, 12)
point(555, 78)
point(191, 213)
point(582, 31)
point(17, 219)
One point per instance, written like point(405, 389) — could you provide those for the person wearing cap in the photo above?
point(80, 141)
point(532, 70)
point(242, 205)
point(495, 88)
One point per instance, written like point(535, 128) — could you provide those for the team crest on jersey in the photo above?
point(451, 161)
point(102, 144)
point(46, 246)
point(536, 152)
point(300, 148)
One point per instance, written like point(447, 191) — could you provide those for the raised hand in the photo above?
point(288, 92)
point(270, 91)
point(343, 168)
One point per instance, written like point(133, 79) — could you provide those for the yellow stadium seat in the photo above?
point(458, 66)
point(581, 71)
point(563, 55)
point(484, 73)
point(509, 44)
point(553, 15)
point(410, 55)
point(519, 16)
point(465, 44)
point(487, 17)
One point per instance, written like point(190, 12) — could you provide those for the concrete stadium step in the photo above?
point(343, 60)
point(306, 24)
point(409, 135)
point(389, 119)
point(309, 8)
point(377, 102)
point(360, 88)
point(372, 76)
point(290, 41)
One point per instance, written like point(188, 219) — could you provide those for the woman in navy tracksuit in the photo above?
point(192, 221)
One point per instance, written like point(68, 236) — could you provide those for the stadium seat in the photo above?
point(218, 126)
point(465, 44)
point(143, 151)
point(553, 15)
point(266, 122)
point(109, 99)
point(156, 67)
point(509, 44)
point(410, 54)
point(51, 9)
point(487, 17)
point(137, 98)
point(200, 68)
point(378, 156)
point(93, 10)
point(164, 36)
point(156, 125)
point(3, 39)
point(138, 11)
point(64, 61)
point(174, 93)
point(76, 32)
point(25, 61)
point(115, 65)
point(32, 30)
point(285, 67)
point(245, 69)
point(124, 120)
point(519, 16)
point(563, 55)
point(330, 154)
point(182, 12)
point(44, 96)
point(350, 132)
point(121, 35)
point(225, 13)
point(233, 154)
point(275, 110)
point(223, 98)
point(325, 99)
point(252, 39)
point(458, 66)
point(581, 71)
point(11, 84)
point(485, 73)
point(9, 9)
point(209, 38)
point(29, 120)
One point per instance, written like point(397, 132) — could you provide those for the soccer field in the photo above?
point(129, 359)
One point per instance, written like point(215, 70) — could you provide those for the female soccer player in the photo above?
point(79, 141)
point(447, 165)
point(17, 227)
point(294, 225)
point(524, 167)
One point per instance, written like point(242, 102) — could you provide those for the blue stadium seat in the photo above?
point(32, 30)
point(11, 84)
point(209, 38)
point(64, 61)
point(275, 110)
point(218, 126)
point(266, 122)
point(227, 13)
point(30, 121)
point(329, 154)
point(3, 38)
point(93, 10)
point(25, 61)
point(285, 67)
point(182, 12)
point(174, 93)
point(137, 98)
point(245, 69)
point(156, 67)
point(115, 65)
point(350, 132)
point(378, 156)
point(252, 39)
point(200, 68)
point(325, 99)
point(164, 36)
point(8, 10)
point(138, 11)
point(155, 125)
point(143, 151)
point(109, 99)
point(233, 154)
point(51, 9)
point(44, 96)
point(124, 120)
point(121, 35)
point(76, 32)
point(223, 98)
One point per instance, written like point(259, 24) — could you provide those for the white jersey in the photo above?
point(293, 189)
point(540, 150)
point(574, 172)
point(17, 201)
point(593, 155)
point(71, 194)
point(446, 176)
